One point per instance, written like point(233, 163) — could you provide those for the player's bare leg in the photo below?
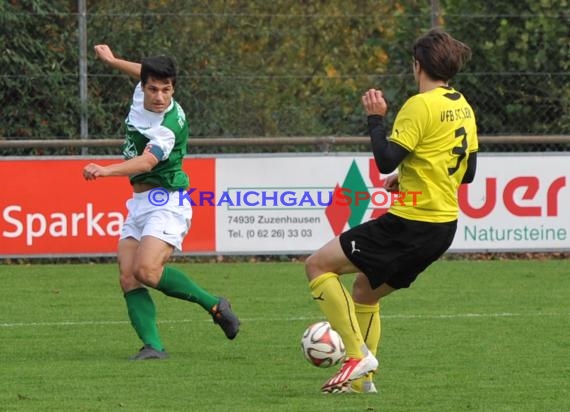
point(140, 305)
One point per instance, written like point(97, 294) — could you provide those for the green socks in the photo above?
point(142, 311)
point(176, 284)
point(143, 317)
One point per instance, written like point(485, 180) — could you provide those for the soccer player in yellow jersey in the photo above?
point(433, 145)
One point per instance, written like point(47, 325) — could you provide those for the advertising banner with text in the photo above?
point(288, 204)
point(48, 209)
point(272, 204)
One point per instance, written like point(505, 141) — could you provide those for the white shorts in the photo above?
point(148, 216)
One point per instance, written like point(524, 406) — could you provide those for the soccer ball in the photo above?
point(322, 346)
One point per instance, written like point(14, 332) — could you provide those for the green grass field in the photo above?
point(468, 336)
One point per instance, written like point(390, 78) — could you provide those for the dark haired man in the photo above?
point(433, 145)
point(155, 144)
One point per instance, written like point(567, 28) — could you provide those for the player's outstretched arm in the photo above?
point(105, 54)
point(140, 164)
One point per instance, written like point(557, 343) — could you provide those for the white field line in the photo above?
point(286, 319)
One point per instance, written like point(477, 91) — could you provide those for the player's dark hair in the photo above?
point(440, 55)
point(158, 67)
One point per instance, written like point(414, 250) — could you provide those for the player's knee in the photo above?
point(362, 292)
point(312, 267)
point(128, 281)
point(147, 274)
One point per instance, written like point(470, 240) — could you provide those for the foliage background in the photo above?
point(279, 68)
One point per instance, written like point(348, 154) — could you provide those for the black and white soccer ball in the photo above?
point(322, 346)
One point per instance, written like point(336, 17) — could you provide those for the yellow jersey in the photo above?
point(438, 129)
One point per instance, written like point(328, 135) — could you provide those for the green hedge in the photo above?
point(279, 68)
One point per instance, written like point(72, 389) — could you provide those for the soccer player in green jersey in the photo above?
point(433, 145)
point(155, 144)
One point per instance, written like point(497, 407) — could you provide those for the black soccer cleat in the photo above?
point(148, 352)
point(223, 316)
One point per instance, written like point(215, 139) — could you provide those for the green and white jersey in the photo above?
point(165, 135)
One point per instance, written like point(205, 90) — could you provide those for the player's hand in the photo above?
point(104, 53)
point(392, 184)
point(374, 102)
point(92, 171)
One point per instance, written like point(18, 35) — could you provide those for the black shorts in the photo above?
point(394, 250)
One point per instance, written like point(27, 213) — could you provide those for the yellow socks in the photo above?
point(369, 321)
point(337, 305)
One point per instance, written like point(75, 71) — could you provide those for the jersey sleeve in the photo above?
point(410, 123)
point(160, 141)
point(138, 98)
